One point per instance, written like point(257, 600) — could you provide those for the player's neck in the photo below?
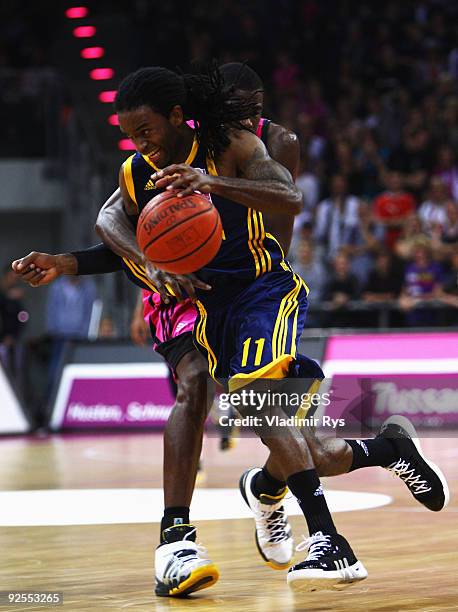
point(184, 145)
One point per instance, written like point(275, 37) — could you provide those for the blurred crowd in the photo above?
point(371, 90)
point(30, 92)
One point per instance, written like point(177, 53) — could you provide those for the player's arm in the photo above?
point(39, 269)
point(138, 327)
point(116, 223)
point(284, 147)
point(264, 184)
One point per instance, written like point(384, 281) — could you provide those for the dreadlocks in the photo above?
point(241, 76)
point(204, 97)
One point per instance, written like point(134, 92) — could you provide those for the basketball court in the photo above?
point(79, 514)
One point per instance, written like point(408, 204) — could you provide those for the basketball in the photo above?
point(179, 235)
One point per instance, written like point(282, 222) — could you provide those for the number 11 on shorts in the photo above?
point(258, 355)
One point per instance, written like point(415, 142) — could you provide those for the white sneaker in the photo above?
point(180, 567)
point(273, 531)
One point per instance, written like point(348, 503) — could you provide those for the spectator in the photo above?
point(449, 120)
point(107, 328)
point(447, 169)
point(12, 319)
point(302, 233)
point(286, 74)
point(393, 207)
point(336, 218)
point(412, 235)
point(309, 185)
point(432, 212)
point(311, 143)
point(341, 288)
point(449, 233)
point(444, 236)
point(362, 242)
point(370, 159)
point(422, 284)
point(69, 308)
point(311, 269)
point(341, 162)
point(385, 282)
point(449, 294)
point(314, 106)
point(413, 159)
point(390, 71)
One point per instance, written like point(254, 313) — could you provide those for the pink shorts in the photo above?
point(170, 324)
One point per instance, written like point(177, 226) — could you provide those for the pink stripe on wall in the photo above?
point(393, 346)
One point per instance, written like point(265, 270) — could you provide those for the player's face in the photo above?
point(252, 122)
point(152, 134)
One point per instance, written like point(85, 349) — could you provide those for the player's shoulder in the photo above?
point(242, 142)
point(279, 135)
point(135, 157)
point(126, 165)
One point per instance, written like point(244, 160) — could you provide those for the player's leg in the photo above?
point(184, 430)
point(266, 321)
point(179, 565)
point(395, 448)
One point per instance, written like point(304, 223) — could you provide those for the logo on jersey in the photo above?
point(180, 326)
point(364, 447)
point(149, 185)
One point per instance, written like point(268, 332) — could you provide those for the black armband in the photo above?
point(97, 259)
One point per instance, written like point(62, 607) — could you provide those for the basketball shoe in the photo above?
point(180, 567)
point(273, 531)
point(422, 477)
point(330, 563)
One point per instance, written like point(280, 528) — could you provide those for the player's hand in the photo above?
point(37, 269)
point(183, 178)
point(139, 330)
point(164, 282)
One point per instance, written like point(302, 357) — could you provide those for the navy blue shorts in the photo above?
point(255, 333)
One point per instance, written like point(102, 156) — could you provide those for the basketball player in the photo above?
point(254, 296)
point(320, 546)
point(171, 327)
point(153, 105)
point(283, 146)
point(264, 489)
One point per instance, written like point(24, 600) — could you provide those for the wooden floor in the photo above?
point(411, 554)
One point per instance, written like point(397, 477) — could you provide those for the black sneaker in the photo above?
point(423, 478)
point(330, 563)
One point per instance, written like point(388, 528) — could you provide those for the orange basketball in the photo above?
point(179, 235)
